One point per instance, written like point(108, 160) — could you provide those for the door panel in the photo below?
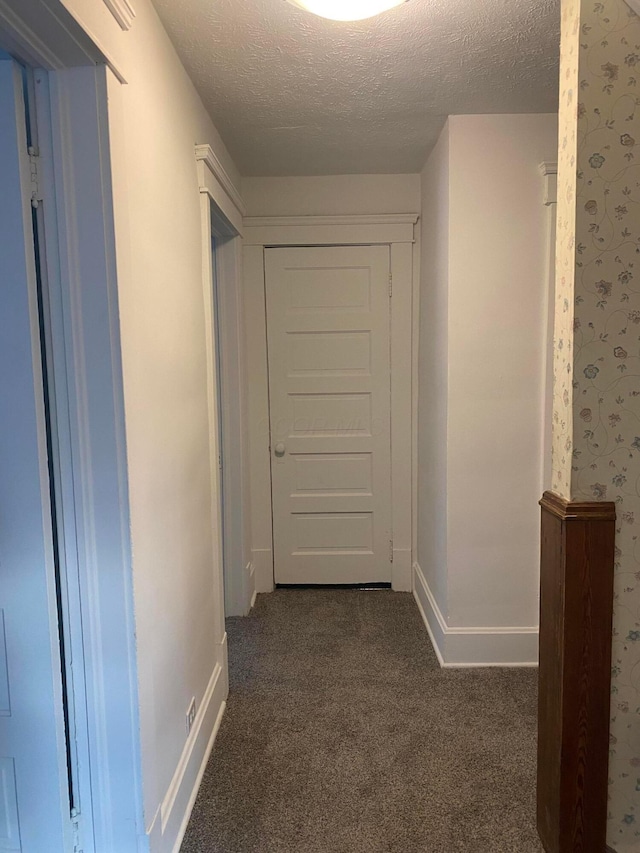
point(329, 384)
point(34, 793)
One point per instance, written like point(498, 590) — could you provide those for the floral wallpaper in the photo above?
point(606, 341)
point(562, 435)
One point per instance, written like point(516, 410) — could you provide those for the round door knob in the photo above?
point(280, 448)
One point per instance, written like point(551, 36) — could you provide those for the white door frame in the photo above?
point(398, 232)
point(77, 168)
point(222, 210)
point(91, 332)
point(34, 790)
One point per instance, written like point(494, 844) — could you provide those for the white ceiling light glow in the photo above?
point(347, 10)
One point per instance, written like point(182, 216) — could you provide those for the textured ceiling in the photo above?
point(294, 94)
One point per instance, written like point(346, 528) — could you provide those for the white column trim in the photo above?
point(549, 171)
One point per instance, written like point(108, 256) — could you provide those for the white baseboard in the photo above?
point(169, 827)
point(430, 612)
point(401, 580)
point(252, 585)
point(262, 560)
point(469, 647)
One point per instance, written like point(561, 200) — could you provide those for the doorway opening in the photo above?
point(224, 318)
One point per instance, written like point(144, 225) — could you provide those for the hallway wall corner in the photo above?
point(461, 647)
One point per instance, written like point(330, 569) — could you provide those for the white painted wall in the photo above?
point(155, 121)
point(432, 369)
point(493, 355)
point(331, 195)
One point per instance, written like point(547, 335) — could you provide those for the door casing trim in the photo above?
point(221, 209)
point(398, 232)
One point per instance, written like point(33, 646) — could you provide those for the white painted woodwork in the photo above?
point(214, 179)
point(221, 220)
point(42, 37)
point(330, 230)
point(396, 231)
point(122, 11)
point(328, 324)
point(34, 804)
point(482, 646)
point(258, 422)
point(84, 365)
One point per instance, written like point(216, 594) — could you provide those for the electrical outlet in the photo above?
point(191, 715)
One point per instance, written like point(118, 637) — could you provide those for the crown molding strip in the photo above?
point(330, 230)
point(548, 167)
point(206, 155)
point(365, 219)
point(122, 11)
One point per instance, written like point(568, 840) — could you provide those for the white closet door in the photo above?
point(329, 384)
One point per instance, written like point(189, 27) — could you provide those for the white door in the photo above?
point(329, 386)
point(34, 790)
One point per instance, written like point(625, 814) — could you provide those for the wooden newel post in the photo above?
point(576, 605)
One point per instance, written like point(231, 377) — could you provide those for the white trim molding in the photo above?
point(253, 592)
point(494, 646)
point(170, 822)
point(262, 566)
point(207, 157)
point(46, 41)
point(342, 219)
point(330, 230)
point(549, 172)
point(91, 270)
point(221, 216)
point(122, 11)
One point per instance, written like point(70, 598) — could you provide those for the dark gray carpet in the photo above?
point(342, 735)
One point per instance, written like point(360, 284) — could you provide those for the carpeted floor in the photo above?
point(342, 735)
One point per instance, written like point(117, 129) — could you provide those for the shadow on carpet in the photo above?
point(343, 735)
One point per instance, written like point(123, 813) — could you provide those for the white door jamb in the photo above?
point(222, 210)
